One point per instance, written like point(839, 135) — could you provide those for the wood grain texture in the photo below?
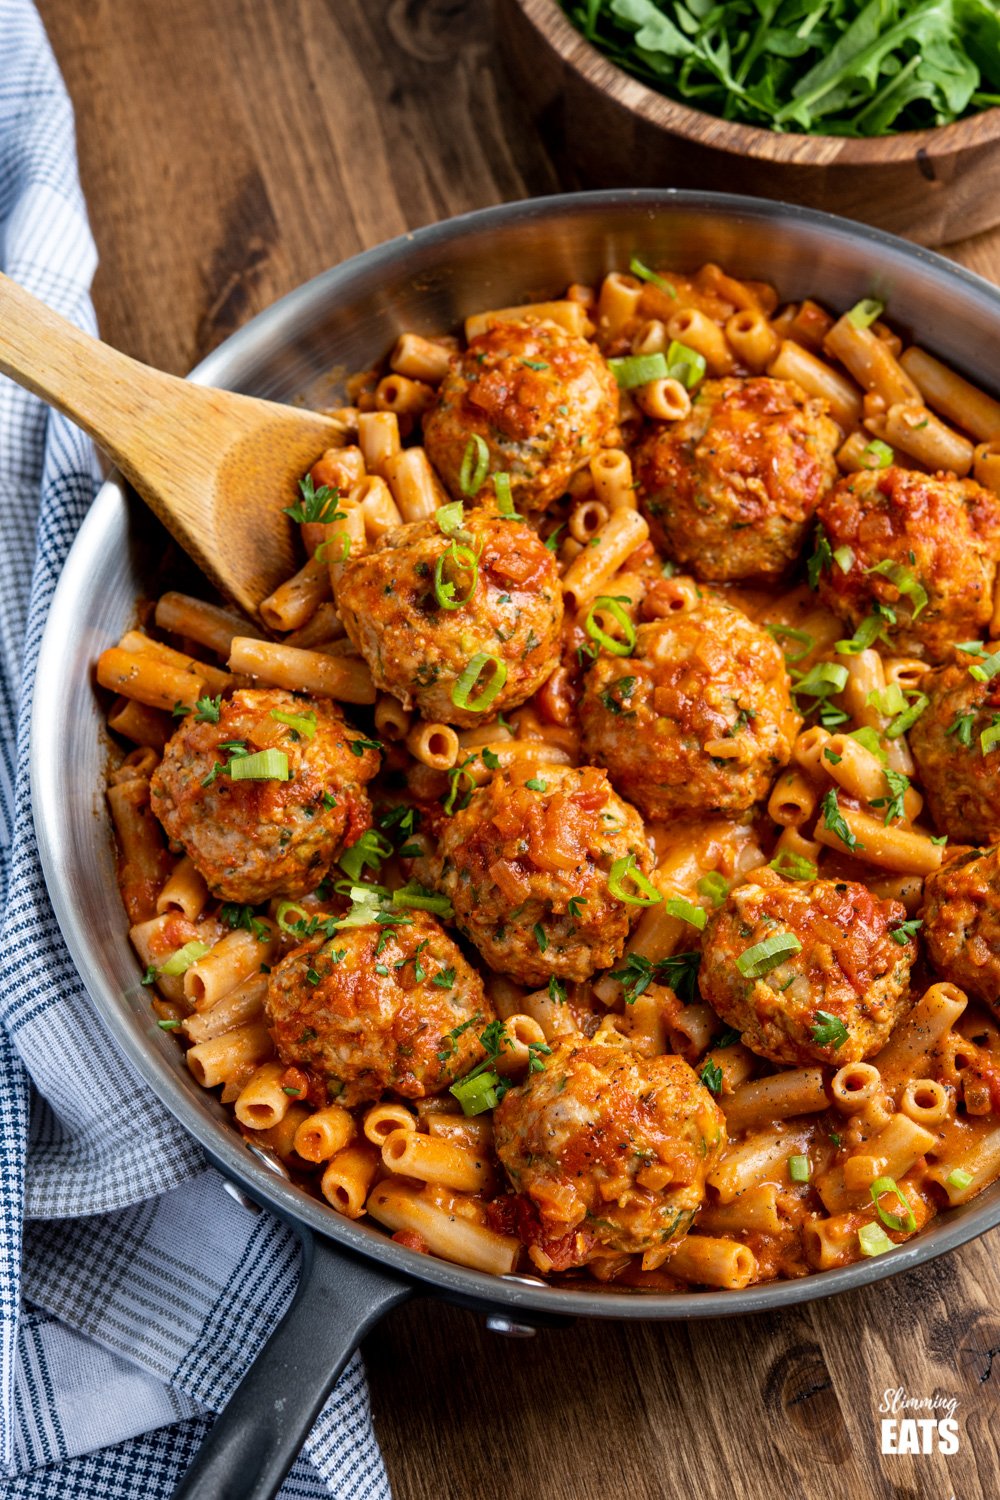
point(229, 151)
point(929, 184)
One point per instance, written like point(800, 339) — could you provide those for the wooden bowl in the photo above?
point(610, 130)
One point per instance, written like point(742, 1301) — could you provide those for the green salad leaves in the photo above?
point(835, 68)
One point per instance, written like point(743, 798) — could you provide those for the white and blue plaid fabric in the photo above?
point(134, 1290)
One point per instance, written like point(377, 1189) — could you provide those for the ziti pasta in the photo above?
point(592, 869)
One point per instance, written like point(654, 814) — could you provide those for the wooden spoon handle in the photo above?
point(107, 394)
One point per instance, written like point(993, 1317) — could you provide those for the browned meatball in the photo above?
point(378, 1007)
point(542, 400)
point(961, 917)
point(526, 868)
point(930, 534)
point(698, 719)
point(251, 840)
point(730, 489)
point(833, 999)
point(960, 780)
point(401, 616)
point(610, 1151)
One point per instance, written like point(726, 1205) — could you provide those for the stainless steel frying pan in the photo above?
point(426, 281)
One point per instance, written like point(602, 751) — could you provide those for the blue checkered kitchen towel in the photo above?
point(144, 1289)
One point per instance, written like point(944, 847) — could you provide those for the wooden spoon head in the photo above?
point(229, 516)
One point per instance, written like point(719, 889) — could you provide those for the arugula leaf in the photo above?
point(839, 67)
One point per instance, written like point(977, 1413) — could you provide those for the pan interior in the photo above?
point(301, 348)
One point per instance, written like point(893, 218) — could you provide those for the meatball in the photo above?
point(927, 534)
point(419, 621)
point(731, 488)
point(698, 719)
point(961, 917)
point(542, 400)
point(375, 1008)
point(526, 868)
point(609, 1150)
point(833, 999)
point(251, 840)
point(960, 782)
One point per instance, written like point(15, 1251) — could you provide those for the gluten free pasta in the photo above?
point(594, 871)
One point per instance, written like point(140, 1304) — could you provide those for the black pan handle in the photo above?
point(255, 1440)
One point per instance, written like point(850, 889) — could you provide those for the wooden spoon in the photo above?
point(216, 468)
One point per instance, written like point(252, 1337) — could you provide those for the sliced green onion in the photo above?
point(959, 1179)
point(627, 869)
point(785, 632)
point(873, 1240)
point(475, 463)
point(263, 765)
point(971, 648)
point(323, 548)
point(869, 737)
point(824, 679)
point(685, 364)
point(464, 685)
point(904, 1224)
point(285, 908)
point(877, 455)
point(794, 866)
point(864, 313)
point(755, 962)
point(867, 633)
point(181, 961)
point(907, 719)
point(891, 700)
point(844, 558)
point(637, 268)
point(638, 369)
point(798, 1168)
point(613, 607)
point(687, 912)
point(168, 1025)
point(476, 1094)
point(983, 670)
point(304, 724)
point(364, 906)
point(371, 849)
point(450, 518)
point(505, 500)
point(444, 589)
point(416, 897)
point(989, 738)
point(905, 580)
point(714, 887)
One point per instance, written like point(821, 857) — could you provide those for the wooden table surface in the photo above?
point(230, 149)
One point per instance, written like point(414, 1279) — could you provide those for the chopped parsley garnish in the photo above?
point(834, 820)
point(243, 916)
point(711, 1077)
point(961, 728)
point(903, 932)
point(828, 1031)
point(317, 506)
point(462, 784)
point(621, 689)
point(536, 784)
point(821, 559)
point(492, 761)
point(444, 979)
point(541, 937)
point(358, 747)
point(150, 975)
point(573, 906)
point(557, 990)
point(679, 972)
